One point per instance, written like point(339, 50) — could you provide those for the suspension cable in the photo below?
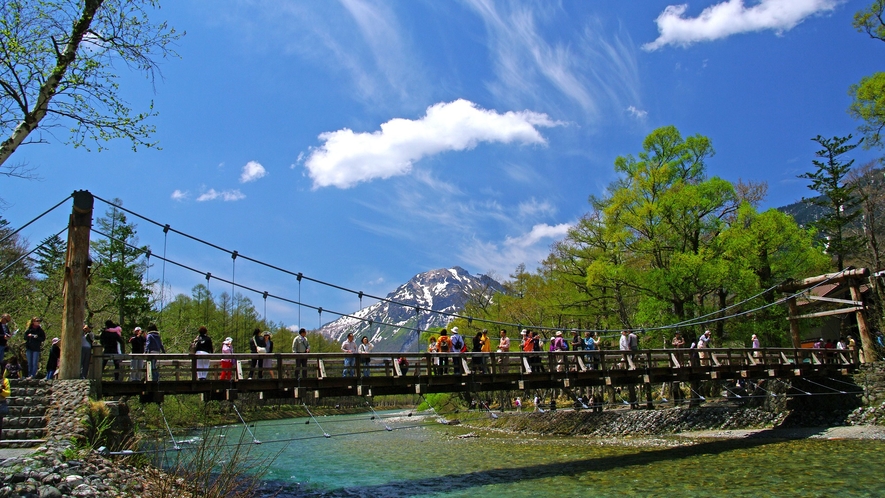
point(44, 213)
point(32, 251)
point(300, 276)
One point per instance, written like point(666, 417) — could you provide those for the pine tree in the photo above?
point(837, 197)
point(119, 267)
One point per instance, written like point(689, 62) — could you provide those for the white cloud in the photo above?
point(637, 113)
point(180, 195)
point(529, 248)
point(225, 195)
point(252, 171)
point(733, 17)
point(347, 158)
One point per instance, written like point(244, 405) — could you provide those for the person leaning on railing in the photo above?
point(154, 344)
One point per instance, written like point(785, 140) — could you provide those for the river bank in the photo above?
point(711, 420)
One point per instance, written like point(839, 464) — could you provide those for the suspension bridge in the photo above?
point(284, 375)
point(293, 375)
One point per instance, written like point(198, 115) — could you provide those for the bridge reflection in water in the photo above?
point(289, 375)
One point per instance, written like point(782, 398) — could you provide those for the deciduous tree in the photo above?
point(60, 63)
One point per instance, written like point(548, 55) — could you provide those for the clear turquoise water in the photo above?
point(424, 458)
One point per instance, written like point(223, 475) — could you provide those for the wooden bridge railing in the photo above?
point(440, 372)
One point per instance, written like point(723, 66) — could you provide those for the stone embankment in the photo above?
point(45, 473)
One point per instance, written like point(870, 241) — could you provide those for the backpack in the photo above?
point(443, 344)
point(459, 345)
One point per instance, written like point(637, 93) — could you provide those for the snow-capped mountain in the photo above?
point(389, 326)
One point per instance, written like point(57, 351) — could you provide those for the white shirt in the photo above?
point(348, 346)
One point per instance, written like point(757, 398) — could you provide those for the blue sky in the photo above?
point(363, 142)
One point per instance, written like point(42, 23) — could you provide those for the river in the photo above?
point(418, 456)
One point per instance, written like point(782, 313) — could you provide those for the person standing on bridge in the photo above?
point(755, 345)
point(301, 346)
point(154, 344)
point(365, 347)
point(34, 338)
point(504, 348)
point(256, 346)
point(349, 347)
point(267, 364)
point(434, 358)
point(444, 345)
point(227, 363)
point(202, 346)
point(704, 343)
point(136, 346)
point(458, 346)
point(111, 339)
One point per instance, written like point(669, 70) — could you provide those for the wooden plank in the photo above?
point(674, 362)
point(321, 369)
point(834, 300)
point(831, 312)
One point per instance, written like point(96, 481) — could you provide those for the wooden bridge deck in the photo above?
point(325, 372)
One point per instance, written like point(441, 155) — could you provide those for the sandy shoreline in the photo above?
point(839, 432)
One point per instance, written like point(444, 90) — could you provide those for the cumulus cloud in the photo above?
point(637, 113)
point(529, 248)
point(733, 17)
point(179, 195)
point(347, 158)
point(224, 195)
point(252, 171)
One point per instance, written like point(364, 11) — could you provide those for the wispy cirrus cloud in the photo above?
point(591, 69)
point(252, 171)
point(224, 195)
point(361, 42)
point(733, 17)
point(180, 195)
point(347, 158)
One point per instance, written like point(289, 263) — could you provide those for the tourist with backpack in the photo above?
point(443, 346)
point(458, 346)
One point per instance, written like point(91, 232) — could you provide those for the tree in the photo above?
point(16, 283)
point(869, 94)
point(871, 20)
point(869, 107)
point(50, 264)
point(118, 271)
point(59, 69)
point(837, 196)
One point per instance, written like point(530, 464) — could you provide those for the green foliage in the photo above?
point(870, 20)
point(869, 95)
point(119, 290)
point(61, 59)
point(868, 106)
point(665, 244)
point(441, 403)
point(837, 197)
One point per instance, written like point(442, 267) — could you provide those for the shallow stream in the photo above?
point(421, 457)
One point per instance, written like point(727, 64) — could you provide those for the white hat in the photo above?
point(524, 332)
point(454, 330)
point(55, 340)
point(137, 329)
point(228, 340)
